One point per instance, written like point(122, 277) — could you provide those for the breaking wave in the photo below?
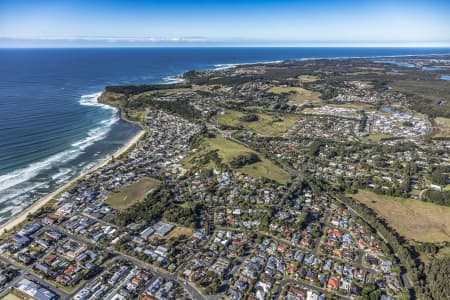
point(173, 79)
point(230, 66)
point(16, 186)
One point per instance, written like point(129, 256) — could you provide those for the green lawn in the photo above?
point(132, 194)
point(230, 118)
point(267, 124)
point(299, 95)
point(227, 150)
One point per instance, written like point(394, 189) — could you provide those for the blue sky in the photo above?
point(259, 22)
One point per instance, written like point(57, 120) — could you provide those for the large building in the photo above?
point(35, 290)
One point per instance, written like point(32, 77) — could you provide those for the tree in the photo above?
point(241, 160)
point(437, 177)
point(250, 118)
point(438, 278)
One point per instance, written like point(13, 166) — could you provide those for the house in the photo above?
point(29, 229)
point(310, 295)
point(436, 187)
point(235, 294)
point(386, 266)
point(44, 268)
point(356, 290)
point(346, 284)
point(282, 248)
point(20, 241)
point(371, 260)
point(333, 283)
point(49, 220)
point(298, 292)
point(161, 251)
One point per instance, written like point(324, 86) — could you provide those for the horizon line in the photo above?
point(201, 42)
point(118, 46)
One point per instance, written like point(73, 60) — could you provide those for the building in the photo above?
point(146, 233)
point(35, 290)
point(162, 228)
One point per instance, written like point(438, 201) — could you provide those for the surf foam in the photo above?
point(16, 186)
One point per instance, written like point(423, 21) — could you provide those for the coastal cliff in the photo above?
point(120, 101)
point(132, 100)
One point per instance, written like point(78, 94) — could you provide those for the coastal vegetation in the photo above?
point(178, 107)
point(130, 90)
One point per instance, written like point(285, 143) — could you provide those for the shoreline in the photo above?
point(34, 207)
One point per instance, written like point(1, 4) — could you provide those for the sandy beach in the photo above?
point(19, 218)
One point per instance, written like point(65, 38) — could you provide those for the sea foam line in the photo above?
point(173, 79)
point(234, 65)
point(92, 100)
point(104, 126)
point(9, 181)
point(13, 194)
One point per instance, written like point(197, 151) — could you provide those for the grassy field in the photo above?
point(227, 150)
point(132, 194)
point(176, 232)
point(299, 95)
point(180, 230)
point(267, 124)
point(375, 137)
point(308, 78)
point(230, 118)
point(413, 219)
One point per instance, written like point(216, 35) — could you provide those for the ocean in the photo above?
point(52, 128)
